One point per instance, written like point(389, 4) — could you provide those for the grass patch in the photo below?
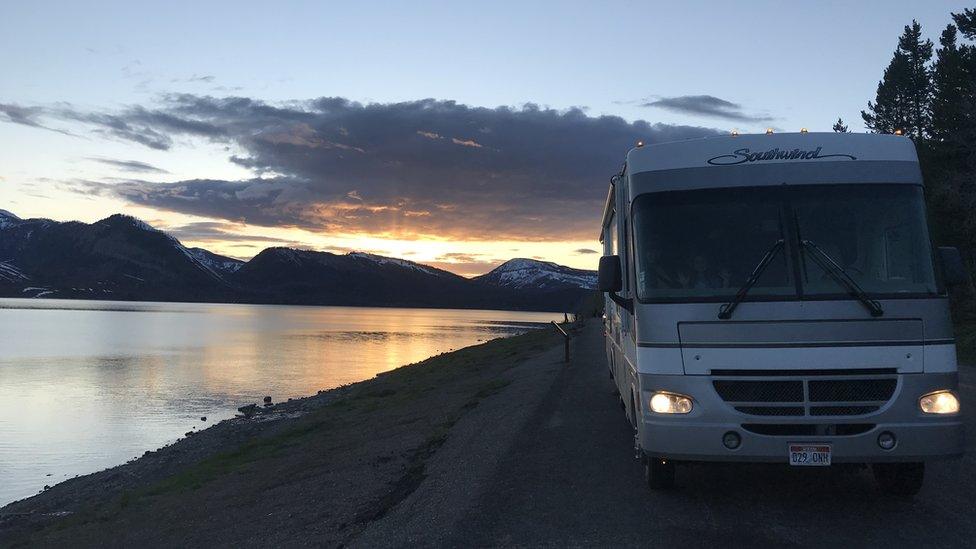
point(492, 387)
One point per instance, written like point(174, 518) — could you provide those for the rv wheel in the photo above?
point(658, 473)
point(899, 479)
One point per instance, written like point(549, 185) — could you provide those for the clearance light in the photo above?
point(939, 402)
point(769, 131)
point(735, 133)
point(670, 403)
point(898, 132)
point(640, 144)
point(804, 130)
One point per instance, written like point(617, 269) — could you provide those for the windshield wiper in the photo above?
point(725, 312)
point(839, 275)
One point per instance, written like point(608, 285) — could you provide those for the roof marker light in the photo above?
point(898, 131)
point(769, 131)
point(735, 133)
point(640, 144)
point(804, 130)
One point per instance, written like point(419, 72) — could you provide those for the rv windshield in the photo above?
point(702, 245)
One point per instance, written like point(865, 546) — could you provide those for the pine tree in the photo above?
point(951, 89)
point(966, 21)
point(904, 95)
point(840, 127)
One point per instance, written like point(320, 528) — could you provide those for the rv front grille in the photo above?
point(842, 410)
point(852, 390)
point(809, 393)
point(759, 391)
point(771, 410)
point(808, 429)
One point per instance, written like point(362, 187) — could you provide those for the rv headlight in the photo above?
point(939, 402)
point(670, 403)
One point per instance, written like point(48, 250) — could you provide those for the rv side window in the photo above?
point(612, 235)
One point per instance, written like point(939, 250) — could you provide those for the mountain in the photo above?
point(285, 275)
point(119, 257)
point(522, 273)
point(123, 258)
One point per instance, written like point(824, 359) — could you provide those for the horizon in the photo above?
point(248, 136)
point(349, 252)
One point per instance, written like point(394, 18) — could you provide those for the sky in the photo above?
point(457, 135)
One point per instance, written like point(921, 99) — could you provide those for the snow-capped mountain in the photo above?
point(121, 257)
point(382, 260)
point(522, 273)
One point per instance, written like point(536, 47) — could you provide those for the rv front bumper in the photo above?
point(698, 436)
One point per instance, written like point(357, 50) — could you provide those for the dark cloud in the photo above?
point(582, 251)
point(217, 231)
point(129, 165)
point(398, 169)
point(26, 116)
point(706, 105)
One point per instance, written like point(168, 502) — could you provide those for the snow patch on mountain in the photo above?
point(10, 273)
point(522, 273)
point(215, 261)
point(142, 225)
point(8, 219)
point(383, 260)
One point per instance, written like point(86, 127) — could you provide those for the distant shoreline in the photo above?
point(271, 304)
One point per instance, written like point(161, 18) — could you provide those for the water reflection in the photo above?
point(87, 385)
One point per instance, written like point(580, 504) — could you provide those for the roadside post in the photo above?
point(565, 337)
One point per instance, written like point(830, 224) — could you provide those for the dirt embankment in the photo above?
point(316, 471)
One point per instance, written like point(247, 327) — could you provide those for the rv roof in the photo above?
point(763, 149)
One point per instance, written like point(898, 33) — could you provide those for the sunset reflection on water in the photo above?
point(87, 385)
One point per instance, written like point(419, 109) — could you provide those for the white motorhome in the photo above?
point(776, 298)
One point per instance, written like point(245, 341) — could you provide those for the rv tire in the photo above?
point(658, 473)
point(899, 479)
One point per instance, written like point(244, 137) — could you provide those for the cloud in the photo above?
point(581, 251)
point(389, 169)
point(217, 231)
point(129, 165)
point(26, 116)
point(705, 105)
point(466, 143)
point(204, 78)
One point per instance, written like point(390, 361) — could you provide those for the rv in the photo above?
point(776, 298)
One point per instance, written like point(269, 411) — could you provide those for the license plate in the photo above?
point(810, 455)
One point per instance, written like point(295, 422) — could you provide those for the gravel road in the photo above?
point(571, 480)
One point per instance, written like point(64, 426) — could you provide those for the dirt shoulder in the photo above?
point(314, 471)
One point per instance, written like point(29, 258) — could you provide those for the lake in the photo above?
point(86, 385)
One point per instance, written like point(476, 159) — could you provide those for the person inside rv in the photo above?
point(700, 275)
point(657, 274)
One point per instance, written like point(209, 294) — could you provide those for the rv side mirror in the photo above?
point(609, 278)
point(953, 270)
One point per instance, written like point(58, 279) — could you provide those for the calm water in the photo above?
point(86, 385)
